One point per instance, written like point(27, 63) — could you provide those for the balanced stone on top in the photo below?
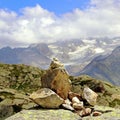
point(57, 79)
point(56, 64)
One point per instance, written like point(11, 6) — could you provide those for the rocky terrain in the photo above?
point(18, 82)
point(20, 77)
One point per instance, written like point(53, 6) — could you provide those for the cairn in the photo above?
point(56, 92)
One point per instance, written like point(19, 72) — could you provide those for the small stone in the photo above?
point(96, 113)
point(85, 112)
point(88, 111)
point(78, 106)
point(68, 107)
point(56, 64)
point(67, 101)
point(75, 100)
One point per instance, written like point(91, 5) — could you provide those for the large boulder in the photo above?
point(57, 79)
point(46, 98)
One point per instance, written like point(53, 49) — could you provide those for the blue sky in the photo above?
point(24, 22)
point(56, 6)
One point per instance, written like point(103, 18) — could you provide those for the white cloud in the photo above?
point(101, 18)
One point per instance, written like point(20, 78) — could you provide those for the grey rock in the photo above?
point(90, 96)
point(58, 114)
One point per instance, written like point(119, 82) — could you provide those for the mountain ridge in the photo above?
point(71, 52)
point(106, 68)
point(75, 54)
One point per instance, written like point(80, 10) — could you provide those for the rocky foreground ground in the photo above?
point(61, 114)
point(19, 85)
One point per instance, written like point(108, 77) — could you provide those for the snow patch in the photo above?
point(79, 50)
point(99, 50)
point(93, 41)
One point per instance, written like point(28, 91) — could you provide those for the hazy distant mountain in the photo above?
point(32, 55)
point(75, 54)
point(105, 67)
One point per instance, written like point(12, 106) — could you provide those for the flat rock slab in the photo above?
point(61, 114)
point(55, 114)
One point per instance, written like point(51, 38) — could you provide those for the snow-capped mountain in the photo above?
point(75, 54)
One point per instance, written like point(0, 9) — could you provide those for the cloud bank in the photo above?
point(36, 24)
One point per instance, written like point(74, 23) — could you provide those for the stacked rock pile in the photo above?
point(56, 92)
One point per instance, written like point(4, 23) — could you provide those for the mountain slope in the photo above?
point(107, 68)
point(27, 79)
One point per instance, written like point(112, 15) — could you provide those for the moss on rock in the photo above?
point(20, 77)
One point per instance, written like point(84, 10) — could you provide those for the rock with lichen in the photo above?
point(25, 79)
point(45, 114)
point(46, 98)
